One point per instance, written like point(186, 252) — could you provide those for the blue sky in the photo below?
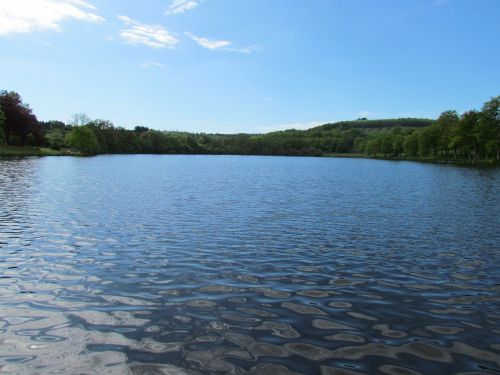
point(249, 65)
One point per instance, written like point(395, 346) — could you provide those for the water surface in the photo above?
point(261, 265)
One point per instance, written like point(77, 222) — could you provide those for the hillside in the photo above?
point(378, 124)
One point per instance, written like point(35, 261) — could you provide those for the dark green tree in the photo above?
point(398, 142)
point(105, 132)
point(428, 141)
point(2, 132)
point(411, 146)
point(373, 146)
point(141, 129)
point(489, 127)
point(464, 141)
point(445, 126)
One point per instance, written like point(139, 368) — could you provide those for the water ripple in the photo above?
point(247, 265)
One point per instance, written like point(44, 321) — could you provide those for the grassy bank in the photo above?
point(10, 151)
point(346, 155)
point(462, 162)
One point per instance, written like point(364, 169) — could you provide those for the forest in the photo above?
point(472, 136)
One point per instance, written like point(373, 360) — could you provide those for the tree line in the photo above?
point(471, 136)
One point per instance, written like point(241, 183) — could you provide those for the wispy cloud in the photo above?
point(248, 49)
point(154, 36)
point(180, 6)
point(209, 43)
point(25, 16)
point(152, 64)
point(214, 44)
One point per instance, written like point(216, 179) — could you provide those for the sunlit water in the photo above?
point(265, 265)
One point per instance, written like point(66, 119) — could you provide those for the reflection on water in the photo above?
point(211, 265)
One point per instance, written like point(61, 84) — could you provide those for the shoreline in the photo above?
point(18, 151)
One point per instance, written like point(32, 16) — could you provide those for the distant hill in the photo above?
point(377, 124)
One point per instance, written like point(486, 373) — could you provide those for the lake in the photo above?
point(180, 264)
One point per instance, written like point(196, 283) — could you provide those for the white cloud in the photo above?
point(154, 36)
point(82, 3)
point(248, 49)
point(180, 6)
point(152, 64)
point(24, 16)
point(209, 43)
point(213, 44)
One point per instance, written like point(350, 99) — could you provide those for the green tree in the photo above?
point(373, 147)
point(153, 142)
point(411, 146)
point(386, 144)
point(464, 139)
point(2, 132)
point(428, 141)
point(398, 142)
point(56, 139)
point(445, 126)
point(489, 127)
point(83, 139)
point(359, 145)
point(105, 132)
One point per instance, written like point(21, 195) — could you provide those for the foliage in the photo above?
point(7, 150)
point(19, 120)
point(488, 128)
point(380, 124)
point(473, 136)
point(56, 139)
point(83, 139)
point(2, 132)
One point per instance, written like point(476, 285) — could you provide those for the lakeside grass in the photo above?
point(346, 155)
point(12, 151)
point(462, 162)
